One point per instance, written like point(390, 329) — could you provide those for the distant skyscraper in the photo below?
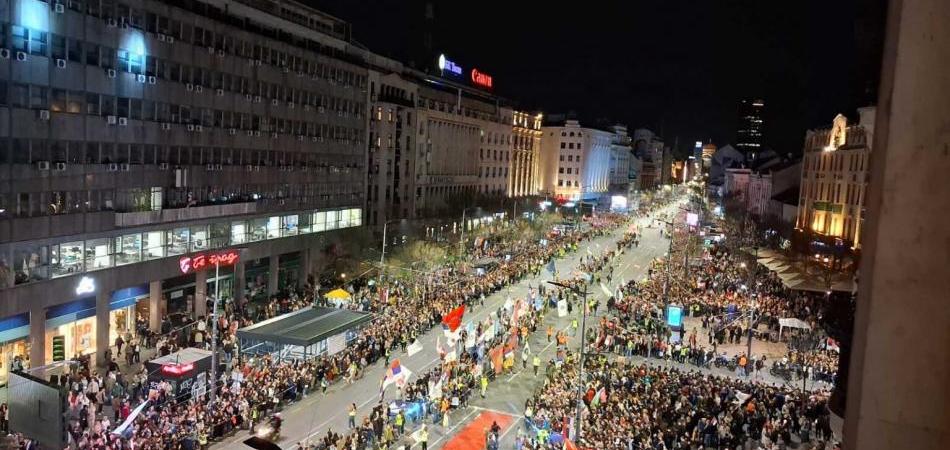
point(749, 134)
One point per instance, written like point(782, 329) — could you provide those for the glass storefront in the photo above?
point(79, 338)
point(72, 326)
point(14, 341)
point(32, 262)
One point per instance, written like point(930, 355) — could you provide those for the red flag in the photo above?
point(568, 445)
point(453, 319)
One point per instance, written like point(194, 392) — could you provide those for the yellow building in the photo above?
point(835, 172)
point(525, 178)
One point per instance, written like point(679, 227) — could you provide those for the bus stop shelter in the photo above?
point(303, 334)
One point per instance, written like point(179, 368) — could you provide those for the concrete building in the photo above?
point(835, 175)
point(901, 301)
point(140, 139)
point(525, 169)
point(390, 193)
point(649, 148)
point(575, 161)
point(749, 134)
point(620, 154)
point(737, 184)
point(463, 144)
point(725, 157)
point(764, 184)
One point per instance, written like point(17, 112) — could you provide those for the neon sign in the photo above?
point(446, 65)
point(481, 79)
point(202, 261)
point(177, 369)
point(86, 286)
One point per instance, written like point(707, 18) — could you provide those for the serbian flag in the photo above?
point(396, 373)
point(453, 319)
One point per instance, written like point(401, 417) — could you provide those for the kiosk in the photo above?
point(186, 370)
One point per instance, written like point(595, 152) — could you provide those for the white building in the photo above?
point(575, 161)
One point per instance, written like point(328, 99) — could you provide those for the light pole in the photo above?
point(580, 381)
point(752, 305)
point(214, 328)
point(382, 254)
point(462, 235)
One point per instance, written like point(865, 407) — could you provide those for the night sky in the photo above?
point(677, 67)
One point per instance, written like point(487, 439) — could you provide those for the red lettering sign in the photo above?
point(481, 79)
point(177, 369)
point(202, 261)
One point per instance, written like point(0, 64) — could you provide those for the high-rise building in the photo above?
point(749, 134)
point(148, 139)
point(525, 175)
point(835, 174)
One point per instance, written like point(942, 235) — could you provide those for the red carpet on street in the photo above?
point(472, 437)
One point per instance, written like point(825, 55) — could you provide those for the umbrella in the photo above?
point(338, 294)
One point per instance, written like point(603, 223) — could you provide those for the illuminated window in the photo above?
point(20, 37)
point(38, 43)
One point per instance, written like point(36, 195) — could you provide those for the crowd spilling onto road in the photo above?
point(645, 406)
point(256, 387)
point(666, 406)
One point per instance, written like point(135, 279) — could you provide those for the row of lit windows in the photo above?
point(40, 262)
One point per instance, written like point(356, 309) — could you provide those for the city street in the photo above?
point(317, 413)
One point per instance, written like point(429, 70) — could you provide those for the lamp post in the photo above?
point(462, 235)
point(382, 254)
point(580, 381)
point(214, 329)
point(752, 309)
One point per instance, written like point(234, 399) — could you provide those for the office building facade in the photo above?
point(140, 140)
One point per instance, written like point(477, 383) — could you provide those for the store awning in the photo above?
point(305, 327)
point(337, 294)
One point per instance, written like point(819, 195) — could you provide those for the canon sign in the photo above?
point(481, 79)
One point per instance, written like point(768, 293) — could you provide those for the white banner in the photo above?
point(561, 308)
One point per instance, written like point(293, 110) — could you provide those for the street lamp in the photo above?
point(462, 235)
point(580, 381)
point(382, 255)
point(214, 328)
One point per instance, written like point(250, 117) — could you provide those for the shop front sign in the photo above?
point(177, 369)
point(86, 286)
point(201, 261)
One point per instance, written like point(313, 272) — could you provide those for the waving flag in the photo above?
point(551, 267)
point(605, 290)
point(453, 319)
point(396, 373)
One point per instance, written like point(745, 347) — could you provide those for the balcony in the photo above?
point(139, 218)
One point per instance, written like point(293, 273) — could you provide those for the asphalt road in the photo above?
point(313, 416)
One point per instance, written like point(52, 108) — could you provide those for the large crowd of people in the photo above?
point(255, 387)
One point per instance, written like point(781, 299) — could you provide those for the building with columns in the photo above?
point(835, 176)
point(525, 176)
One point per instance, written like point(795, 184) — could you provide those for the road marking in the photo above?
point(451, 429)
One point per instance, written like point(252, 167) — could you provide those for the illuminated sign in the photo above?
point(202, 261)
point(481, 79)
point(86, 286)
point(177, 369)
point(674, 316)
point(445, 65)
